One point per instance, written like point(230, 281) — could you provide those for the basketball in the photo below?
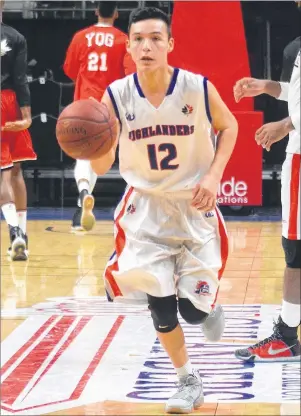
point(86, 130)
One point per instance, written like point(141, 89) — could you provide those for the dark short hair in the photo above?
point(146, 13)
point(106, 8)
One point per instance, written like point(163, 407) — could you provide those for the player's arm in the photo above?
point(294, 120)
point(21, 88)
point(271, 133)
point(103, 164)
point(72, 60)
point(223, 121)
point(252, 87)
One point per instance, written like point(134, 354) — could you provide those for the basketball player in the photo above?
point(16, 143)
point(96, 57)
point(283, 344)
point(167, 223)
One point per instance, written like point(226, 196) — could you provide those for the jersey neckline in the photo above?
point(171, 87)
point(102, 25)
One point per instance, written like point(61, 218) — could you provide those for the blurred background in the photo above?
point(48, 26)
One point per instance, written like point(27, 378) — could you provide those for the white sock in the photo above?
point(185, 370)
point(82, 171)
point(10, 214)
point(22, 216)
point(291, 314)
point(92, 182)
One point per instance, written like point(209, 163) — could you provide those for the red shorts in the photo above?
point(15, 146)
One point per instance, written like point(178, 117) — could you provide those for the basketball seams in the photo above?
point(64, 119)
point(83, 139)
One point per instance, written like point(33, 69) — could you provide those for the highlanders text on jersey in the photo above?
point(168, 148)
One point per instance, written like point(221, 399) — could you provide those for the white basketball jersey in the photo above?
point(168, 148)
point(294, 145)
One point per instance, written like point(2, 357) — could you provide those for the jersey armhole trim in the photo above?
point(205, 85)
point(115, 106)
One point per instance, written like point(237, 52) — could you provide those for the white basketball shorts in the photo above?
point(291, 197)
point(163, 246)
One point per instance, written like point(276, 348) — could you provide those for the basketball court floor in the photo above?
point(66, 351)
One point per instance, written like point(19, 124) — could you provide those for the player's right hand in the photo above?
point(18, 125)
point(248, 87)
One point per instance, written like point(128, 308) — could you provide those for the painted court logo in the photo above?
point(75, 351)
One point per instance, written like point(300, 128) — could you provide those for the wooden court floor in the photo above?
point(65, 351)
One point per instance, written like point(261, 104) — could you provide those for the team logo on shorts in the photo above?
point(209, 214)
point(202, 288)
point(187, 109)
point(131, 209)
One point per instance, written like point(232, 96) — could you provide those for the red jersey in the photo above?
point(95, 58)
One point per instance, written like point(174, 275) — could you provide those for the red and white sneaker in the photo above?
point(274, 348)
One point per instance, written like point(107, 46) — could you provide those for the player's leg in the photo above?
point(283, 344)
point(291, 243)
point(148, 254)
point(17, 250)
point(20, 194)
point(83, 218)
point(200, 268)
point(21, 150)
point(7, 198)
point(170, 334)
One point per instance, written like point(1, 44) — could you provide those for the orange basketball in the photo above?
point(86, 130)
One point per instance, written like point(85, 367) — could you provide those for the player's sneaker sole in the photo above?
point(189, 396)
point(213, 327)
point(173, 409)
point(272, 359)
point(87, 220)
point(9, 252)
point(18, 250)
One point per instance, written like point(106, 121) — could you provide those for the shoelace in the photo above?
point(276, 335)
point(180, 386)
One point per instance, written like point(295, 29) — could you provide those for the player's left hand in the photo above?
point(16, 126)
point(204, 194)
point(270, 133)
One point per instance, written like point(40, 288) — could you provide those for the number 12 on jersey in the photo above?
point(154, 153)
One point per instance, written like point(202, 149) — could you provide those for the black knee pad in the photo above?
point(190, 313)
point(164, 312)
point(292, 251)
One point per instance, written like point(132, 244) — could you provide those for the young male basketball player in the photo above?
point(167, 223)
point(96, 57)
point(283, 344)
point(16, 143)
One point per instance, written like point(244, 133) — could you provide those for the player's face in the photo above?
point(149, 44)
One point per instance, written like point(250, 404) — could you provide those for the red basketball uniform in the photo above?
point(95, 58)
point(15, 146)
